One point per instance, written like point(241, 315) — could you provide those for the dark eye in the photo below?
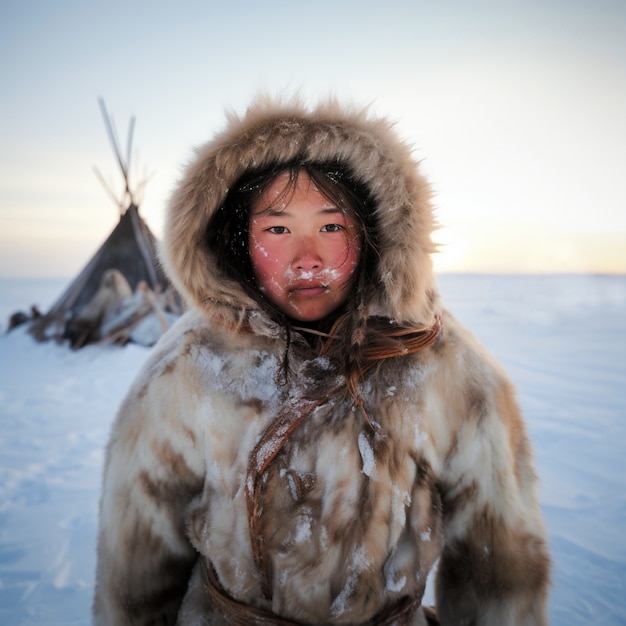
point(331, 228)
point(277, 230)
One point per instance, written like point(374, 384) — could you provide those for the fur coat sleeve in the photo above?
point(494, 565)
point(154, 470)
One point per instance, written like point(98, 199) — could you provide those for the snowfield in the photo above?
point(561, 338)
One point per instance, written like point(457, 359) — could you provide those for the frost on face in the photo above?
point(326, 275)
point(260, 247)
point(331, 274)
point(292, 275)
point(367, 456)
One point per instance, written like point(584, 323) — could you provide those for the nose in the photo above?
point(306, 256)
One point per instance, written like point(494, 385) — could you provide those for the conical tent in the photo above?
point(131, 248)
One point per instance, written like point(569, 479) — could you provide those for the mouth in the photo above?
point(307, 289)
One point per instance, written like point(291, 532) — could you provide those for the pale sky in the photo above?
point(517, 110)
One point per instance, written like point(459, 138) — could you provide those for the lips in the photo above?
point(307, 288)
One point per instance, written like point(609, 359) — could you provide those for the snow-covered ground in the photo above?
point(562, 340)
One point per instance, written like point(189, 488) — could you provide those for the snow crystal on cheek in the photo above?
point(290, 274)
point(367, 456)
point(330, 274)
point(261, 248)
point(326, 275)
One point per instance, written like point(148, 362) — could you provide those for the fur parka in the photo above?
point(359, 505)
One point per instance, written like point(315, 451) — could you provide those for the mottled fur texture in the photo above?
point(355, 513)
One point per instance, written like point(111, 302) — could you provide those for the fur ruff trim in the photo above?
point(277, 131)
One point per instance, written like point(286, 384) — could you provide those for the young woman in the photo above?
point(317, 431)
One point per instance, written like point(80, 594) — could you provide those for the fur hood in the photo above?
point(277, 132)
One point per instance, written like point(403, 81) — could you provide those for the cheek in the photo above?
point(258, 248)
point(347, 256)
point(345, 260)
point(266, 260)
point(354, 253)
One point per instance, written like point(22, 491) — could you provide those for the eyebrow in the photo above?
point(271, 212)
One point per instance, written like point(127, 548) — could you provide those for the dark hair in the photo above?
point(228, 231)
point(349, 337)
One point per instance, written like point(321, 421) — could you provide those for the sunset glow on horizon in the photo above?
point(515, 112)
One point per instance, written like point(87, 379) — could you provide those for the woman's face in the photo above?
point(303, 249)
